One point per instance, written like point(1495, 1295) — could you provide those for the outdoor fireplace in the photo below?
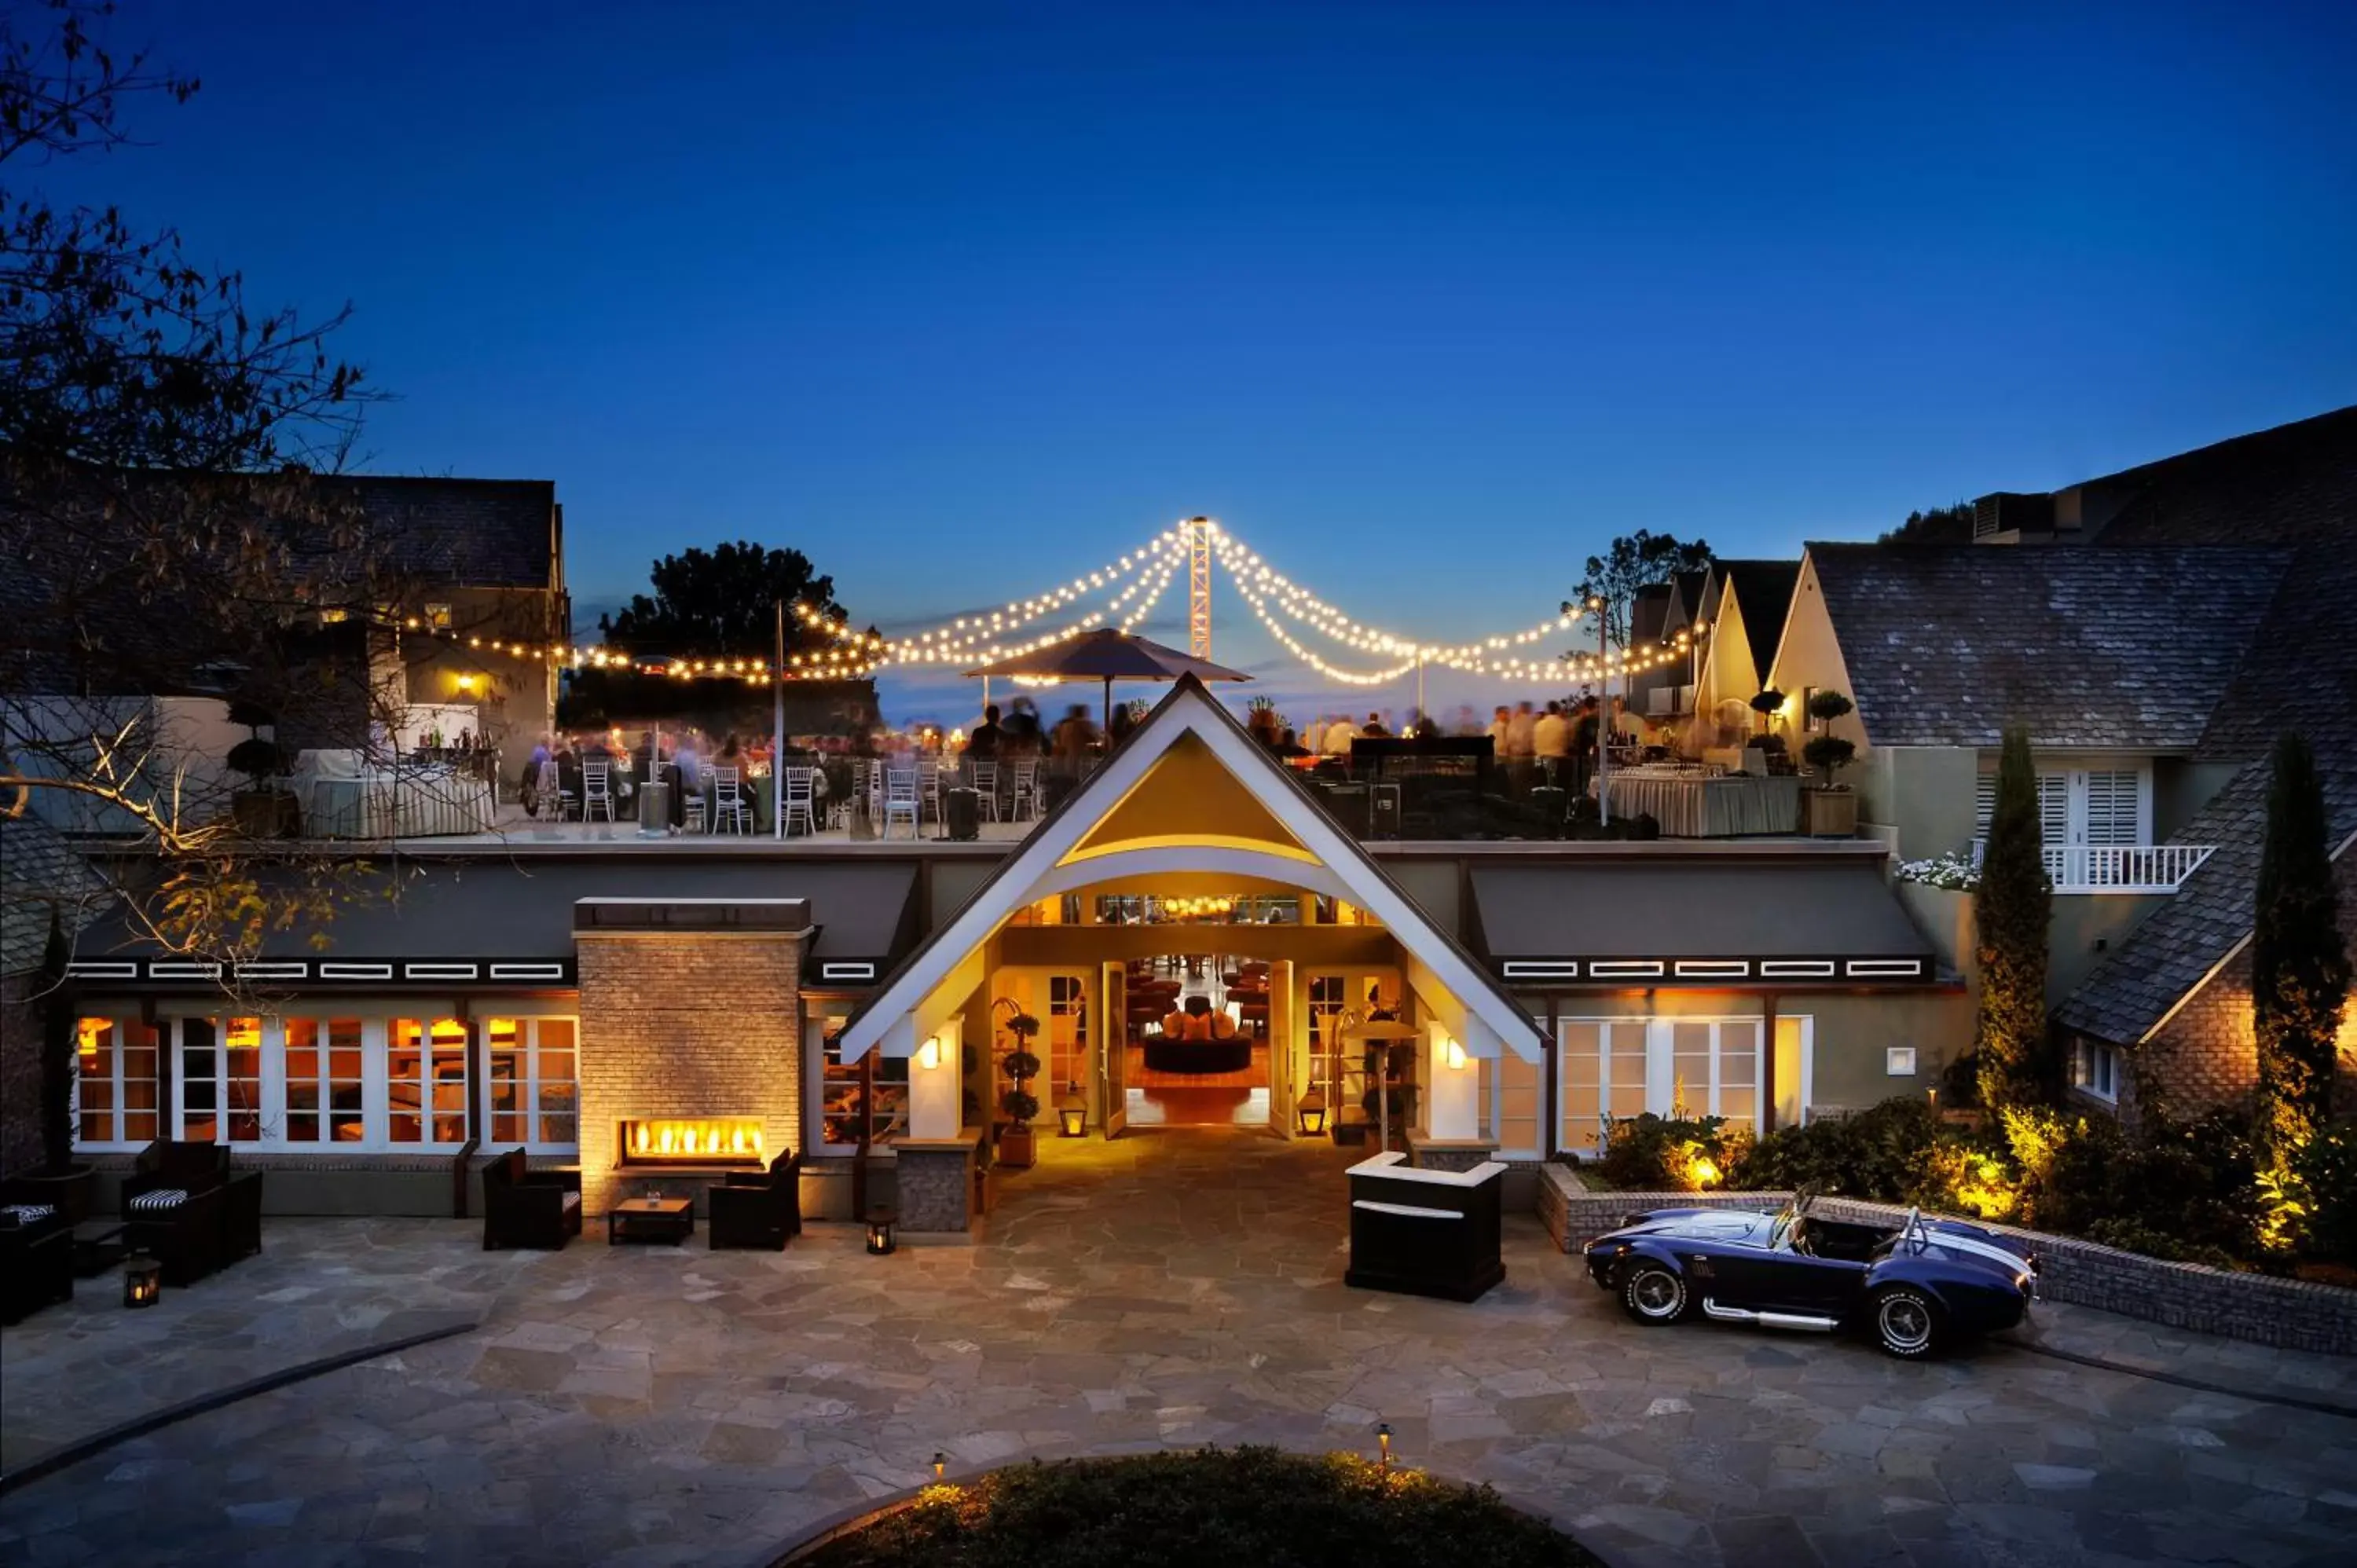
point(699, 1141)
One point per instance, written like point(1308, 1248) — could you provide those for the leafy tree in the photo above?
point(1634, 561)
point(162, 509)
point(1941, 525)
point(723, 602)
point(2300, 961)
point(2011, 909)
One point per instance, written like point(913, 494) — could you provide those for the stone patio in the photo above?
point(651, 1405)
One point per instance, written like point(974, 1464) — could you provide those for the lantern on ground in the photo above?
point(879, 1232)
point(143, 1282)
point(1309, 1110)
point(1073, 1111)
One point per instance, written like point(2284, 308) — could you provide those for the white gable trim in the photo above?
point(1162, 860)
point(1024, 879)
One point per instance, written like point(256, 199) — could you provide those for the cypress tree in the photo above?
point(2299, 962)
point(2011, 908)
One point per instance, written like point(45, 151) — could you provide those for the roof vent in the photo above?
point(2006, 516)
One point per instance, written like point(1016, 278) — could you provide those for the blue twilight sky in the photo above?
point(1426, 301)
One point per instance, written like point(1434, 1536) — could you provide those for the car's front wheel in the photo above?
point(1906, 1322)
point(1653, 1293)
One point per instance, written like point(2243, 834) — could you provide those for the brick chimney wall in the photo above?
point(685, 1023)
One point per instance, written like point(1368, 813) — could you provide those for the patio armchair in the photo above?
point(759, 1209)
point(36, 1265)
point(177, 1204)
point(525, 1208)
point(184, 1236)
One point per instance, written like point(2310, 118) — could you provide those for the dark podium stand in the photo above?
point(1425, 1232)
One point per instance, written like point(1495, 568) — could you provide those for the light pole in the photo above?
point(1603, 711)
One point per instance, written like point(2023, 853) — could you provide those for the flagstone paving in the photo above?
point(652, 1405)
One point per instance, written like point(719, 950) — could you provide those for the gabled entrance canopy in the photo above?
point(1189, 792)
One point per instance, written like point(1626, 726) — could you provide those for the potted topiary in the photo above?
point(1767, 702)
point(1829, 809)
point(262, 810)
point(1016, 1149)
point(61, 1182)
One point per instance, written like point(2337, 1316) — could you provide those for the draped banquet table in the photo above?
point(343, 798)
point(1691, 806)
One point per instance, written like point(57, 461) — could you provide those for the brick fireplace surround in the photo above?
point(688, 1008)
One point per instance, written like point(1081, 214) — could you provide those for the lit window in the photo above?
point(437, 618)
point(115, 1083)
point(219, 1080)
point(535, 1087)
point(426, 1081)
point(324, 1074)
point(839, 1089)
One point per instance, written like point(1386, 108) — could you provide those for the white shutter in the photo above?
point(2112, 813)
point(2053, 805)
point(2054, 808)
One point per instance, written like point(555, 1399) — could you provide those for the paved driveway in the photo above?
point(656, 1406)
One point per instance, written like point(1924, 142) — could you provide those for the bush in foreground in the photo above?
point(1243, 1506)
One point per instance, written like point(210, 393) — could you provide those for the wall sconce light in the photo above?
point(143, 1282)
point(467, 683)
point(879, 1232)
point(929, 1054)
point(1456, 1056)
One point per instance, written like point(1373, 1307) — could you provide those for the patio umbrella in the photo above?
point(1389, 1031)
point(1109, 655)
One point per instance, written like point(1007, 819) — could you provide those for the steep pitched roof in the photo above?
point(1946, 645)
point(41, 874)
point(2285, 486)
point(1764, 589)
point(2140, 983)
point(1315, 852)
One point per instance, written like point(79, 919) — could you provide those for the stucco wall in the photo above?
point(1918, 799)
point(2084, 928)
point(516, 697)
point(2180, 789)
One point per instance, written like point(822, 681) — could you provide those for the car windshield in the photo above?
point(1779, 1230)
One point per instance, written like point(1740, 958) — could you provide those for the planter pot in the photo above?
point(1015, 1148)
point(267, 814)
point(71, 1193)
point(1829, 813)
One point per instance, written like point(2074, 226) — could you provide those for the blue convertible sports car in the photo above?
point(1912, 1286)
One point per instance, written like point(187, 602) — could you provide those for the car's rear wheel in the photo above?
point(1906, 1322)
point(1653, 1294)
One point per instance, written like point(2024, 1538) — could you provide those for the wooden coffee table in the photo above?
point(650, 1219)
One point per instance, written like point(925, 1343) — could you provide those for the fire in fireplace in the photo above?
point(692, 1141)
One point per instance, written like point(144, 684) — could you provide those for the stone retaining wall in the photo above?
point(2293, 1314)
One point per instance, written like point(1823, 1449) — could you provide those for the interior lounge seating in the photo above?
point(1198, 1041)
point(758, 1208)
point(184, 1207)
point(524, 1207)
point(36, 1264)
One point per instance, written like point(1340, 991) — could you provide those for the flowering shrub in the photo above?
point(1954, 870)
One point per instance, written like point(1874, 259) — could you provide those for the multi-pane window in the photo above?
point(839, 1094)
point(1616, 1069)
point(1067, 1026)
point(534, 1082)
point(426, 1083)
point(1509, 1093)
point(2095, 1069)
point(115, 1083)
point(324, 1083)
point(219, 1078)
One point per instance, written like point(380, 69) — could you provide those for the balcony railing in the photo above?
point(2118, 867)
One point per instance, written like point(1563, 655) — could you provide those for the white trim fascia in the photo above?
point(1187, 709)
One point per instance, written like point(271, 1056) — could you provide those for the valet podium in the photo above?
point(1425, 1232)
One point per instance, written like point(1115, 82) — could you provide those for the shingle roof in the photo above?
point(1764, 589)
point(2136, 984)
point(1946, 645)
point(40, 873)
point(2286, 486)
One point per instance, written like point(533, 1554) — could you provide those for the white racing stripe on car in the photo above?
point(2013, 1261)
